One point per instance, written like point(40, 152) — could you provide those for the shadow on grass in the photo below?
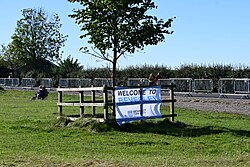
point(164, 127)
point(241, 133)
point(178, 129)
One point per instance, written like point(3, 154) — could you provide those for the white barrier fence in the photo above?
point(83, 82)
point(47, 82)
point(98, 82)
point(203, 85)
point(9, 82)
point(242, 85)
point(226, 85)
point(234, 86)
point(28, 82)
point(69, 82)
point(25, 82)
point(2, 81)
point(183, 85)
point(137, 81)
point(163, 82)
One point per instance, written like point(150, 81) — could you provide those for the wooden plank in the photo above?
point(80, 104)
point(169, 115)
point(81, 89)
point(105, 99)
point(84, 104)
point(168, 101)
point(172, 103)
point(86, 101)
point(81, 96)
point(165, 90)
point(93, 101)
point(59, 101)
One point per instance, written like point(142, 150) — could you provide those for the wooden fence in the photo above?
point(104, 101)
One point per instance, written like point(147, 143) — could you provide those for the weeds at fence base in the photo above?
point(161, 126)
point(89, 124)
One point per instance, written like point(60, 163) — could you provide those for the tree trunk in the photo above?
point(114, 78)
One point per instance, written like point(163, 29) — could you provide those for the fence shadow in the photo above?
point(163, 127)
point(178, 129)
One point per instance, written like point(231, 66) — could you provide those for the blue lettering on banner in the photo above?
point(128, 99)
point(137, 103)
point(151, 98)
point(131, 92)
point(123, 100)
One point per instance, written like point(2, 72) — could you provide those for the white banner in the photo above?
point(137, 103)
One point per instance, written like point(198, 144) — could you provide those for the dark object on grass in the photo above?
point(2, 89)
point(41, 94)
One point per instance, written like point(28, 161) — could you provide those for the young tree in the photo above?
point(37, 39)
point(117, 27)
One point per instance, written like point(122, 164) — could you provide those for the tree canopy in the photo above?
point(117, 27)
point(36, 40)
point(69, 68)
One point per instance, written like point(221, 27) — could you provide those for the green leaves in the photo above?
point(123, 20)
point(37, 39)
point(69, 68)
point(119, 26)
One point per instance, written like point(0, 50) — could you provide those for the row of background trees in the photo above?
point(71, 68)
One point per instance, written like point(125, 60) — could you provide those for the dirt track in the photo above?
point(239, 106)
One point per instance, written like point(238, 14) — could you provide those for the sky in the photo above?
point(206, 32)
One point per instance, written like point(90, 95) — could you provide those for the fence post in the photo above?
point(60, 101)
point(93, 100)
point(81, 101)
point(113, 101)
point(105, 101)
point(172, 102)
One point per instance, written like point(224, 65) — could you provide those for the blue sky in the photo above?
point(206, 32)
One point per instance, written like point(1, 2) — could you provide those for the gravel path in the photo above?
point(239, 106)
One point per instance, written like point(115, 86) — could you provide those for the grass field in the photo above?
point(30, 136)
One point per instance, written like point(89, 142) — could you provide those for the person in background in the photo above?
point(158, 76)
point(44, 93)
point(151, 79)
point(41, 93)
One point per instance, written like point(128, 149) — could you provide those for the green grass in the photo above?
point(30, 136)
